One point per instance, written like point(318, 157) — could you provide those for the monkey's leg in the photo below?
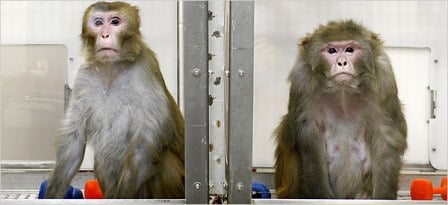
point(139, 166)
point(168, 182)
point(69, 157)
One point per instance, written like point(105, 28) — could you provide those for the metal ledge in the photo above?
point(182, 201)
point(92, 201)
point(344, 202)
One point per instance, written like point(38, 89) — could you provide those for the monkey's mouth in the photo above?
point(106, 50)
point(343, 77)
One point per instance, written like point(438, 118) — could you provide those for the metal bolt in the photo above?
point(239, 186)
point(197, 186)
point(224, 185)
point(241, 73)
point(210, 15)
point(196, 72)
point(211, 186)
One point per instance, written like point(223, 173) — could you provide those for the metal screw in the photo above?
point(239, 186)
point(241, 73)
point(196, 72)
point(434, 149)
point(71, 59)
point(224, 185)
point(211, 186)
point(436, 60)
point(197, 186)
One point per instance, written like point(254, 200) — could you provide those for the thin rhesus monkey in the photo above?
point(344, 134)
point(120, 102)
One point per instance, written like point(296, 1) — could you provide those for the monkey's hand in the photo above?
point(363, 194)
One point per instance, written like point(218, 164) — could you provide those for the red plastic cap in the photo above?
point(92, 190)
point(421, 189)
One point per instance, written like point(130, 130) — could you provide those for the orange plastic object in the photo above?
point(421, 189)
point(443, 188)
point(92, 190)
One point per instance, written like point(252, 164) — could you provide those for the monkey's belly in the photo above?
point(111, 136)
point(348, 163)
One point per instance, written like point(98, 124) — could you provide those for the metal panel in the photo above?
point(217, 100)
point(241, 100)
point(194, 43)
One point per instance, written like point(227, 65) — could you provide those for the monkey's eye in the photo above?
point(349, 50)
point(115, 21)
point(332, 50)
point(98, 22)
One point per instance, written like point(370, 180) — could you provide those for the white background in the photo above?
point(414, 33)
point(59, 22)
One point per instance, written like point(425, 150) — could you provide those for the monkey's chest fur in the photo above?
point(343, 125)
point(122, 109)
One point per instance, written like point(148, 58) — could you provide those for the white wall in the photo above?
point(415, 34)
point(403, 25)
point(59, 22)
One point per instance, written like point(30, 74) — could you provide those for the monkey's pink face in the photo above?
point(107, 27)
point(341, 57)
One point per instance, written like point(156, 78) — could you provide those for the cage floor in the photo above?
point(20, 186)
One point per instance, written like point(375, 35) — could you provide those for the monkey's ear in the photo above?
point(137, 18)
point(375, 40)
point(304, 41)
point(374, 36)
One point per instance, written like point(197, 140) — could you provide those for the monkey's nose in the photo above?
point(342, 62)
point(105, 36)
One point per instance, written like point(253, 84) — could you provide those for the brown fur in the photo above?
point(364, 114)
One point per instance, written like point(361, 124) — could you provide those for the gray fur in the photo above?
point(122, 109)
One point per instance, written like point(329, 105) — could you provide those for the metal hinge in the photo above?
point(433, 94)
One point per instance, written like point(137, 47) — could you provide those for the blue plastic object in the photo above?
point(72, 193)
point(260, 191)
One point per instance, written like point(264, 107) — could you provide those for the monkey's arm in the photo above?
point(389, 146)
point(309, 140)
point(70, 147)
point(389, 139)
point(314, 162)
point(70, 154)
point(287, 167)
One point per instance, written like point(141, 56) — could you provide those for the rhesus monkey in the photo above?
point(121, 103)
point(344, 134)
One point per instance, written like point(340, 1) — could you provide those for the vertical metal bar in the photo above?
point(217, 112)
point(241, 101)
point(194, 46)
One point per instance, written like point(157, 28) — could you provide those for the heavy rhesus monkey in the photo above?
point(120, 102)
point(344, 134)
